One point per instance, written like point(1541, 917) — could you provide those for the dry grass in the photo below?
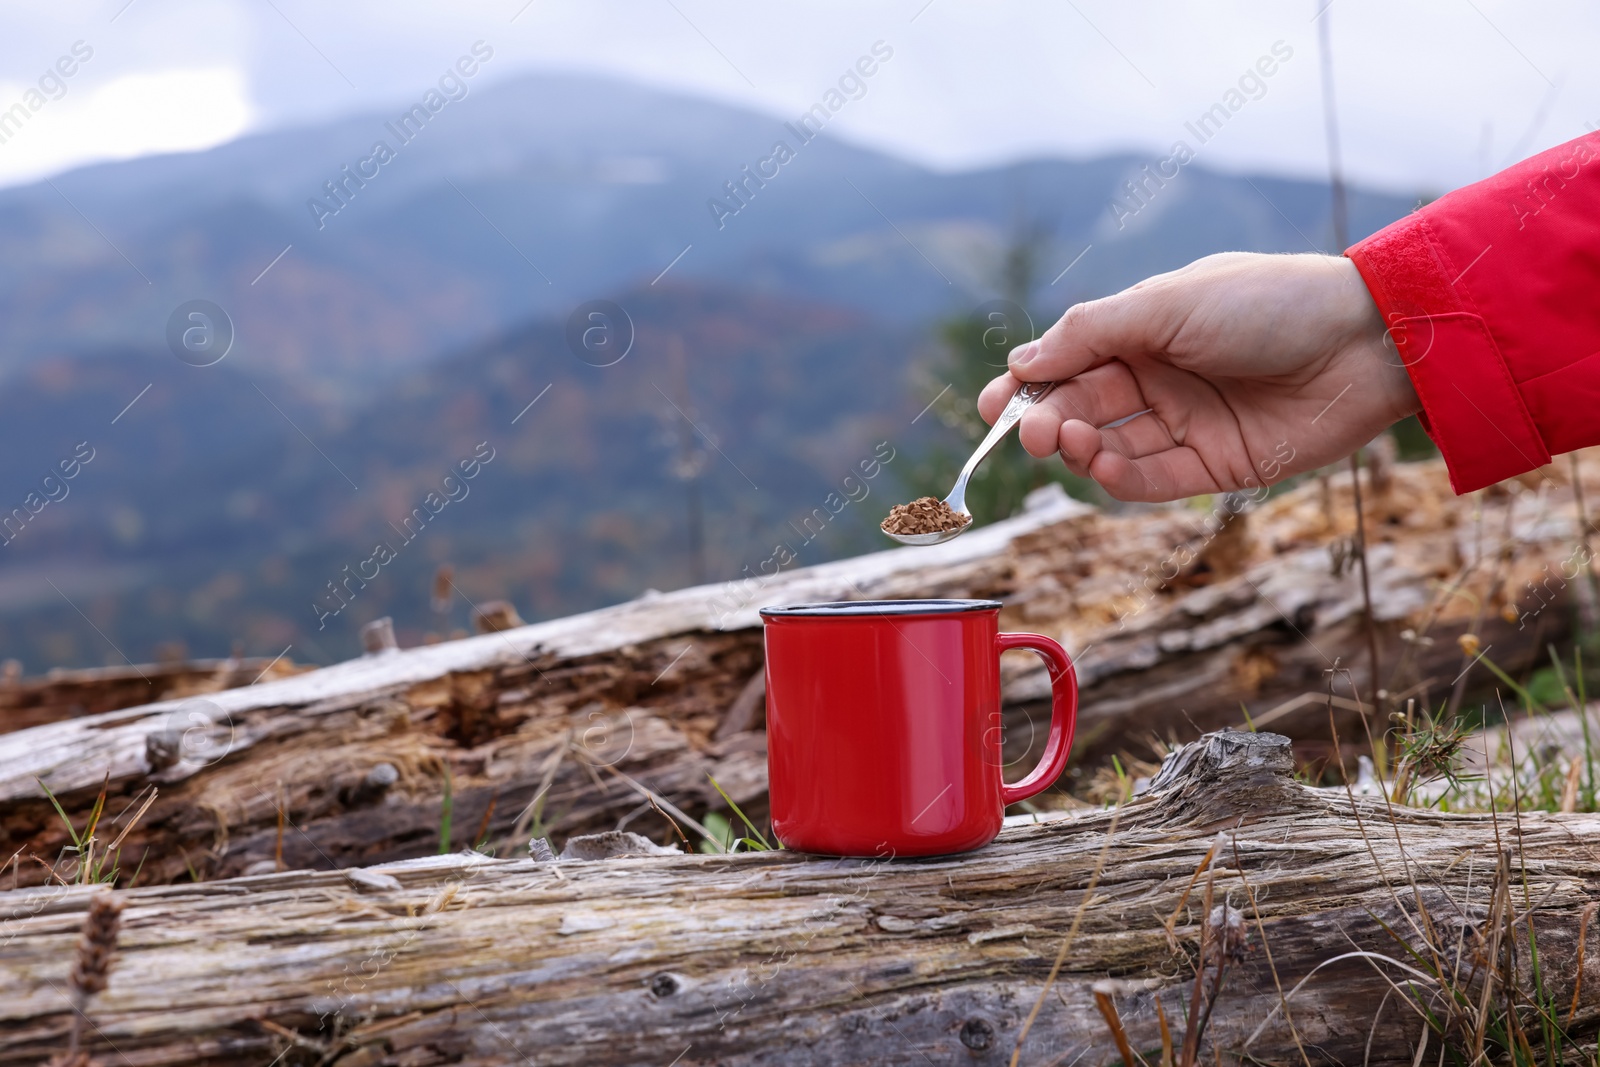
point(1467, 976)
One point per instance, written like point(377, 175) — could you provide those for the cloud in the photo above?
point(1429, 97)
point(172, 110)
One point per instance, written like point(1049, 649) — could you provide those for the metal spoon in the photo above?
point(1024, 398)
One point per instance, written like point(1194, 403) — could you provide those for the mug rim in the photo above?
point(846, 609)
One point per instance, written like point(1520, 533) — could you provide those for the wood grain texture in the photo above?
point(781, 958)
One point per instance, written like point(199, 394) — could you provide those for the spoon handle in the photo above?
point(1024, 398)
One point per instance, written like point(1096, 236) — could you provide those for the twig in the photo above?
point(1588, 603)
point(1503, 556)
point(1342, 238)
point(651, 800)
point(48, 868)
point(1379, 693)
point(1583, 934)
point(116, 844)
point(1192, 1028)
point(294, 1037)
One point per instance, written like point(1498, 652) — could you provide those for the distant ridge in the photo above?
point(531, 196)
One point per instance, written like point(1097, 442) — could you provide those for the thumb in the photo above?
point(1133, 322)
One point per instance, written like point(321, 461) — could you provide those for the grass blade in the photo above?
point(77, 842)
point(1527, 697)
point(742, 817)
point(446, 809)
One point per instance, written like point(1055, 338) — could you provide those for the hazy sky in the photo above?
point(1430, 95)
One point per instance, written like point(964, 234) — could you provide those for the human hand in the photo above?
point(1253, 367)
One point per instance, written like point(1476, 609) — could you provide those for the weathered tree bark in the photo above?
point(64, 694)
point(779, 958)
point(560, 727)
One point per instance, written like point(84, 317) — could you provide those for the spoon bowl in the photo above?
point(1029, 394)
point(936, 538)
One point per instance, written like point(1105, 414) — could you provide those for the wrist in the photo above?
point(1373, 346)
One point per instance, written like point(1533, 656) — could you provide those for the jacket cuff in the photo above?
point(1471, 407)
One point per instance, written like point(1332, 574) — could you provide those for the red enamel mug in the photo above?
point(884, 730)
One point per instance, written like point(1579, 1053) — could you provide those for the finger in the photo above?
point(1074, 467)
point(1099, 396)
point(1170, 475)
point(1133, 322)
point(1144, 436)
point(1119, 455)
point(1079, 443)
point(992, 401)
point(1038, 430)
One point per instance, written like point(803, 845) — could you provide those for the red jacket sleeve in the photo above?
point(1492, 296)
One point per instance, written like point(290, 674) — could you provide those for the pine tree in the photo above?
point(973, 349)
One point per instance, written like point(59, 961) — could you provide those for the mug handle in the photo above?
point(1063, 713)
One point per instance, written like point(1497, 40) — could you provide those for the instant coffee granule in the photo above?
point(924, 516)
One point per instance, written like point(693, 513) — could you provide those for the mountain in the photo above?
point(219, 507)
point(378, 348)
point(528, 198)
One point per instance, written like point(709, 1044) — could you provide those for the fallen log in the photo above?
point(588, 723)
point(542, 728)
point(1303, 925)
